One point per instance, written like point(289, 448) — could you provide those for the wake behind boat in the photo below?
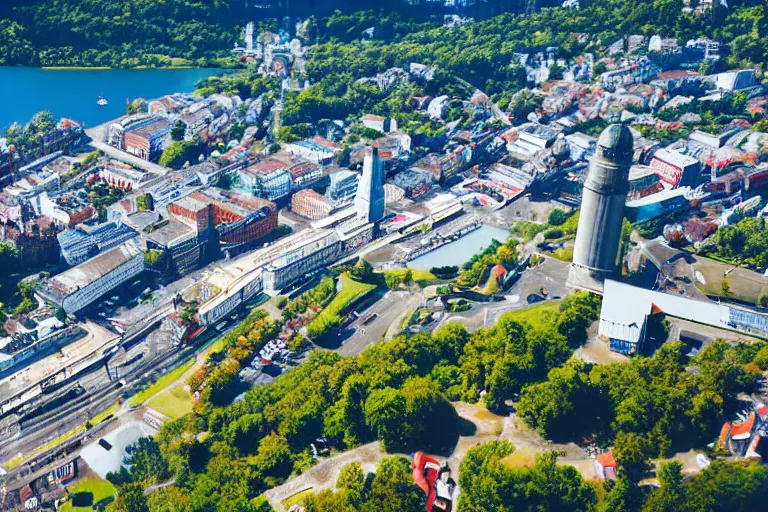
point(102, 101)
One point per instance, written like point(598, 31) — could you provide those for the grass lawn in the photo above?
point(160, 384)
point(520, 458)
point(174, 403)
point(537, 315)
point(89, 493)
point(746, 285)
point(297, 498)
point(351, 290)
point(419, 276)
point(103, 415)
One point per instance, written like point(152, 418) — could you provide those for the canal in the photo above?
point(73, 93)
point(458, 252)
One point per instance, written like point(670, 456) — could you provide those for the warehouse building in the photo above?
point(626, 309)
point(80, 286)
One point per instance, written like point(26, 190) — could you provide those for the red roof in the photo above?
point(676, 74)
point(762, 411)
point(606, 460)
point(743, 430)
point(724, 433)
point(373, 117)
point(498, 271)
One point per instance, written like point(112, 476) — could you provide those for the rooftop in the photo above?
point(171, 233)
point(92, 270)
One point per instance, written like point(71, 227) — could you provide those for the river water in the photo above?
point(73, 93)
point(459, 252)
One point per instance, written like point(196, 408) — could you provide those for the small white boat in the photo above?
point(102, 101)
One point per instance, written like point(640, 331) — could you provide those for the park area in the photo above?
point(172, 403)
point(88, 494)
point(743, 284)
point(330, 316)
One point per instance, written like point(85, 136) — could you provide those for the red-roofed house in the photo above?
point(498, 272)
point(605, 465)
point(373, 122)
point(743, 430)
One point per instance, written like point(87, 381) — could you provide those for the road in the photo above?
point(388, 310)
point(97, 135)
point(552, 274)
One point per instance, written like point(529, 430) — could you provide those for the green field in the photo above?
point(537, 315)
point(160, 384)
point(174, 403)
point(419, 276)
point(329, 317)
point(89, 493)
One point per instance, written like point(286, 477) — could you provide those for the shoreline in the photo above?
point(107, 68)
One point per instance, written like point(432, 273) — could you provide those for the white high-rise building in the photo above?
point(369, 201)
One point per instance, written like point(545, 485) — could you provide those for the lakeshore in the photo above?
point(72, 92)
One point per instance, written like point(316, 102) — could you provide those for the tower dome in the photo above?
point(616, 144)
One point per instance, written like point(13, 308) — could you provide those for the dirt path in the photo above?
point(324, 475)
point(487, 427)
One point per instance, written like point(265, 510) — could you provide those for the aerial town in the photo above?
point(191, 242)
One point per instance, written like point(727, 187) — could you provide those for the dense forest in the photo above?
point(130, 33)
point(224, 455)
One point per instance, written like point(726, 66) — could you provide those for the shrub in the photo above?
point(553, 234)
point(557, 217)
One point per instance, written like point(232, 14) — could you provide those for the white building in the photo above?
point(374, 122)
point(626, 309)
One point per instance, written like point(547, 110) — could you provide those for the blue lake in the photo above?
point(459, 252)
point(73, 93)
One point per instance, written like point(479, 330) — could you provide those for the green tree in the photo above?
point(393, 488)
point(130, 498)
point(179, 153)
point(9, 258)
point(274, 458)
point(146, 462)
point(362, 270)
point(725, 287)
point(178, 130)
point(670, 497)
point(384, 413)
point(557, 217)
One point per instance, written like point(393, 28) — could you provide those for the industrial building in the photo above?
point(626, 309)
point(239, 220)
point(80, 286)
point(269, 178)
point(318, 150)
point(85, 241)
point(342, 187)
point(674, 168)
point(140, 135)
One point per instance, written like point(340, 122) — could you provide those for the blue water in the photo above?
point(459, 252)
point(73, 93)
